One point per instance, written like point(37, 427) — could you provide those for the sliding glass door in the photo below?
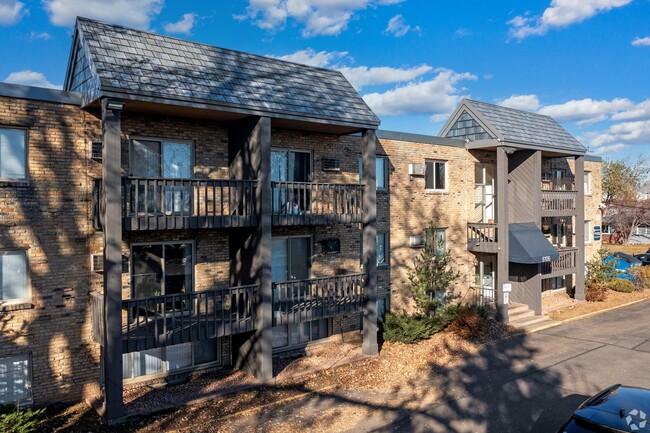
point(290, 166)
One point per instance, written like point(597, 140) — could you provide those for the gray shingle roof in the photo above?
point(135, 62)
point(524, 127)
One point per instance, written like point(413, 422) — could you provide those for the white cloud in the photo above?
point(637, 132)
point(310, 57)
point(40, 35)
point(637, 42)
point(437, 96)
point(358, 76)
point(133, 13)
point(184, 25)
point(587, 111)
point(11, 11)
point(521, 102)
point(397, 27)
point(361, 76)
point(639, 111)
point(30, 78)
point(319, 17)
point(561, 13)
point(606, 150)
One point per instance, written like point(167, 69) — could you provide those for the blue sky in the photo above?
point(584, 62)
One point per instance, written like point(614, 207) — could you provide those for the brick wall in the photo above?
point(408, 209)
point(50, 219)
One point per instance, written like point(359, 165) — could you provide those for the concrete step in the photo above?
point(538, 326)
point(519, 312)
point(527, 321)
point(522, 317)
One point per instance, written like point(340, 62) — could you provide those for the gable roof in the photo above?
point(517, 126)
point(111, 60)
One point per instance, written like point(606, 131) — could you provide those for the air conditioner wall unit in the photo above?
point(416, 241)
point(417, 169)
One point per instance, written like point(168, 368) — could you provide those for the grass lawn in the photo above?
point(629, 249)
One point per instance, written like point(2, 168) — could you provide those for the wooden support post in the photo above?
point(503, 235)
point(580, 228)
point(370, 346)
point(250, 158)
point(112, 196)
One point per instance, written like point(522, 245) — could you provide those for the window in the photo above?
point(436, 175)
point(165, 159)
point(13, 276)
point(439, 238)
point(290, 258)
point(383, 249)
point(170, 358)
point(162, 269)
point(16, 380)
point(381, 172)
point(587, 232)
point(13, 154)
point(299, 333)
point(587, 181)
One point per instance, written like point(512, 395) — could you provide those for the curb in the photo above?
point(595, 313)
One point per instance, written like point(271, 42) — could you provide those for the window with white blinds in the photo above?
point(15, 380)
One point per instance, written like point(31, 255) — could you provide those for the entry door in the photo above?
point(485, 275)
point(484, 184)
point(291, 258)
point(166, 160)
point(290, 166)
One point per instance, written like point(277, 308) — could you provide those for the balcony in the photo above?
point(482, 238)
point(564, 265)
point(317, 298)
point(161, 321)
point(164, 204)
point(558, 203)
point(306, 203)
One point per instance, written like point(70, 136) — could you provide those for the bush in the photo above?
point(641, 276)
point(471, 322)
point(596, 292)
point(599, 271)
point(620, 285)
point(405, 328)
point(16, 420)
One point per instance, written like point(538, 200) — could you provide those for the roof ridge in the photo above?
point(510, 108)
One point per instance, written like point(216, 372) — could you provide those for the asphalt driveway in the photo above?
point(532, 383)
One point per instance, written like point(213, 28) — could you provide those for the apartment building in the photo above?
point(181, 207)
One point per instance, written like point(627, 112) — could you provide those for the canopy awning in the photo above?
point(528, 245)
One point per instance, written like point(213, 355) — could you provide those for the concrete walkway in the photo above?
point(528, 383)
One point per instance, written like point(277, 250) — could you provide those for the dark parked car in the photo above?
point(616, 409)
point(645, 258)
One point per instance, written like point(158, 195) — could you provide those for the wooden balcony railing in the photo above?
point(558, 203)
point(317, 298)
point(306, 203)
point(166, 320)
point(565, 264)
point(482, 237)
point(161, 204)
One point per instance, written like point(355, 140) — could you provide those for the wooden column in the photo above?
point(580, 228)
point(370, 346)
point(502, 232)
point(111, 180)
point(250, 158)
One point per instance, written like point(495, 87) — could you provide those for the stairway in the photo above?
point(523, 318)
